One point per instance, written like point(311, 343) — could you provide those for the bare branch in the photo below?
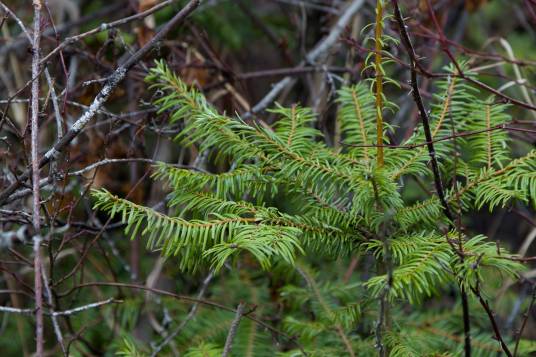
point(13, 310)
point(55, 323)
point(38, 289)
point(85, 307)
point(106, 26)
point(117, 76)
point(321, 48)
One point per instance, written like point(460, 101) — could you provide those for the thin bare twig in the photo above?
point(321, 48)
point(191, 314)
point(38, 289)
point(106, 26)
point(422, 110)
point(17, 20)
point(85, 307)
point(55, 104)
point(232, 331)
point(55, 324)
point(445, 47)
point(22, 41)
point(502, 126)
point(13, 310)
point(491, 317)
point(48, 180)
point(61, 313)
point(192, 300)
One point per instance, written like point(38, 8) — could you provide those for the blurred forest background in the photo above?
point(234, 52)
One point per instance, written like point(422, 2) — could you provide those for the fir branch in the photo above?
point(215, 239)
point(327, 310)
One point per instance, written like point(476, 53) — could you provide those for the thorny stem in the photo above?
point(38, 287)
point(379, 80)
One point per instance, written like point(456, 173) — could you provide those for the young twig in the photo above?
point(461, 254)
